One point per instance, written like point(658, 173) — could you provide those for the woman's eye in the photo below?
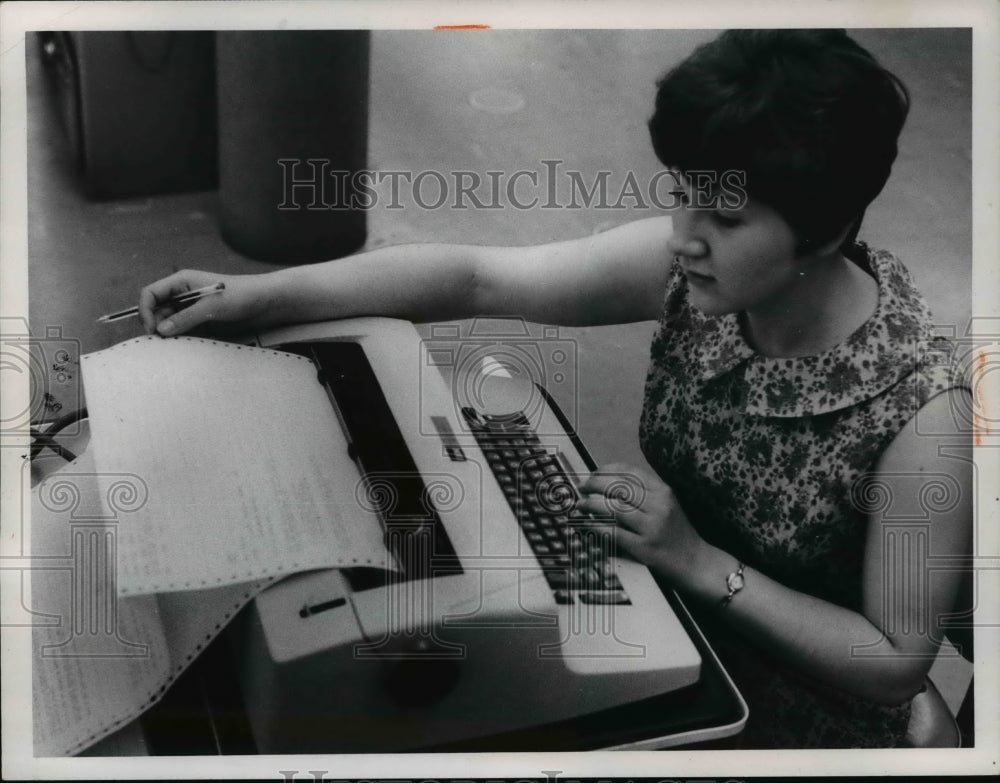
point(726, 221)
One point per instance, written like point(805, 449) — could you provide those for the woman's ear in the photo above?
point(808, 247)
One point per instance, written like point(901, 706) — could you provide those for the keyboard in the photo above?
point(570, 545)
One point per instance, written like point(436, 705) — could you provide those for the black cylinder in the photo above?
point(293, 137)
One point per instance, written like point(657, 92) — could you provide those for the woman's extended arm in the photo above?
point(882, 653)
point(613, 277)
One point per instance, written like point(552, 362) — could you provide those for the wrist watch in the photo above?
point(734, 583)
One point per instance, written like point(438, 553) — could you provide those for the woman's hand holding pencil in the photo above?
point(181, 299)
point(191, 298)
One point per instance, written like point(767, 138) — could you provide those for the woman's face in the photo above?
point(736, 259)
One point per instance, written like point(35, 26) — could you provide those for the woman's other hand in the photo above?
point(650, 525)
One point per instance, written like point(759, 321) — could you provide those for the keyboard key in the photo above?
point(592, 542)
point(610, 582)
point(587, 578)
point(605, 568)
point(563, 596)
point(604, 597)
point(558, 579)
point(558, 500)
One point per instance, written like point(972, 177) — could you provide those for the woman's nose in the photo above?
point(686, 239)
point(682, 243)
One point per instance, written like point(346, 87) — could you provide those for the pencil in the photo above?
point(186, 298)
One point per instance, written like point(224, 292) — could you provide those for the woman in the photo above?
point(785, 387)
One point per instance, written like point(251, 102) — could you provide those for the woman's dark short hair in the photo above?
point(809, 116)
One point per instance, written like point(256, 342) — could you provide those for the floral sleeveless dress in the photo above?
point(771, 459)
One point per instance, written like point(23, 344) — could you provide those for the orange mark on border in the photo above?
point(461, 27)
point(977, 424)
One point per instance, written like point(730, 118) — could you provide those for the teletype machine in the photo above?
point(507, 612)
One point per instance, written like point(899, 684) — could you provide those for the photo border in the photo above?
point(982, 16)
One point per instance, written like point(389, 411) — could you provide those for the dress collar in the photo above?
point(875, 357)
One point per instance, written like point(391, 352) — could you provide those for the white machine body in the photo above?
point(471, 651)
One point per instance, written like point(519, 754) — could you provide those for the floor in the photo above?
point(506, 101)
